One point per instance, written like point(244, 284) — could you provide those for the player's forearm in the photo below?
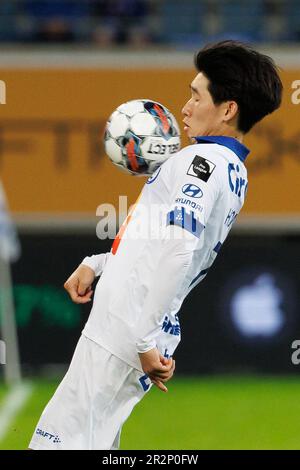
point(96, 262)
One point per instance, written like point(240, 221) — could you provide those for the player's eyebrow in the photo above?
point(194, 89)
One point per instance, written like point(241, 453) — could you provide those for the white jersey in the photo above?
point(160, 255)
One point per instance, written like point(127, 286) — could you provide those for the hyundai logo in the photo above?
point(192, 190)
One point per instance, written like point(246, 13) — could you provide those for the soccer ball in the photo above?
point(140, 135)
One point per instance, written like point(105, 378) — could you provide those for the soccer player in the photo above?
point(133, 329)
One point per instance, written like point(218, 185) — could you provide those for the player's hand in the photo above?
point(79, 284)
point(157, 367)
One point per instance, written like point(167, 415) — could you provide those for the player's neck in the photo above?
point(229, 129)
point(234, 133)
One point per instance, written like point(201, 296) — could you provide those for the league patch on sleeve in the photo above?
point(201, 168)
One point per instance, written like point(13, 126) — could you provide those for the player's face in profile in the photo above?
point(201, 115)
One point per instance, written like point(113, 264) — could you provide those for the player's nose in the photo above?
point(186, 109)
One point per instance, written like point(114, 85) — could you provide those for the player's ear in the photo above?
point(231, 109)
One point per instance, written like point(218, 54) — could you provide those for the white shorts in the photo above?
point(91, 403)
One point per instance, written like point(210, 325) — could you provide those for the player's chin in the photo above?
point(188, 131)
point(190, 134)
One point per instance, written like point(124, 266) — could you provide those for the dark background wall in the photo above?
point(242, 318)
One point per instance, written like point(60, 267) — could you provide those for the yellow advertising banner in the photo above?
point(51, 152)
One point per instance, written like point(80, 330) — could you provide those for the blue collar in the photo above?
point(239, 149)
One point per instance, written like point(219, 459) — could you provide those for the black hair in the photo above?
point(237, 72)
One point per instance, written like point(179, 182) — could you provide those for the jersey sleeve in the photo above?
point(96, 262)
point(190, 205)
point(174, 261)
point(195, 189)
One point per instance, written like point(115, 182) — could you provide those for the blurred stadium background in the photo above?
point(66, 65)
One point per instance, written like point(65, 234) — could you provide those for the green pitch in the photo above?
point(196, 413)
